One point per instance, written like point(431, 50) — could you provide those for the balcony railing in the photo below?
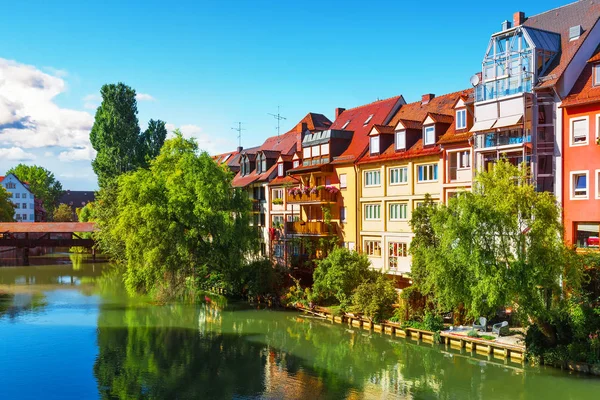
point(501, 139)
point(312, 196)
point(310, 228)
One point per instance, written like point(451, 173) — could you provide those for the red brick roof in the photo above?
point(442, 118)
point(583, 91)
point(47, 227)
point(282, 180)
point(438, 105)
point(379, 110)
point(559, 20)
point(383, 129)
point(390, 153)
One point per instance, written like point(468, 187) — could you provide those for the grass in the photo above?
point(488, 337)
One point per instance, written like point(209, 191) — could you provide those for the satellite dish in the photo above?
point(475, 80)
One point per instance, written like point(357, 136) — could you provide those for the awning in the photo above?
point(508, 121)
point(483, 125)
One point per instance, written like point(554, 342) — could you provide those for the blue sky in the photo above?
point(202, 66)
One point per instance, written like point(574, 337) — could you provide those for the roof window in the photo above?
point(345, 125)
point(368, 119)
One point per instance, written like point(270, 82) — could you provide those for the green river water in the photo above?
point(68, 331)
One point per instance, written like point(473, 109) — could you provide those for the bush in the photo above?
point(413, 305)
point(375, 299)
point(473, 333)
point(432, 322)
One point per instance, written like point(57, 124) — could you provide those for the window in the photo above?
point(579, 131)
point(24, 217)
point(430, 135)
point(461, 119)
point(24, 196)
point(18, 217)
point(587, 235)
point(17, 205)
point(280, 169)
point(372, 211)
point(598, 183)
point(343, 211)
point(463, 159)
point(31, 217)
point(277, 194)
point(597, 74)
point(277, 221)
point(10, 185)
point(264, 163)
point(398, 211)
point(579, 185)
point(343, 181)
point(368, 119)
point(316, 151)
point(262, 220)
point(306, 152)
point(296, 163)
point(398, 175)
point(24, 205)
point(17, 195)
point(278, 250)
point(372, 178)
point(325, 149)
point(374, 144)
point(396, 250)
point(428, 173)
point(401, 140)
point(345, 125)
point(373, 248)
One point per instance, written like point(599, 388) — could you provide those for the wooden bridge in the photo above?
point(26, 235)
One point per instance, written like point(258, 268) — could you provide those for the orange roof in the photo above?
point(390, 153)
point(584, 92)
point(282, 180)
point(47, 227)
point(438, 105)
point(378, 112)
point(559, 20)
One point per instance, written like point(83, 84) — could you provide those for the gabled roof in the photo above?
point(440, 118)
point(417, 150)
point(379, 110)
point(382, 129)
point(559, 20)
point(409, 124)
point(438, 105)
point(282, 180)
point(584, 92)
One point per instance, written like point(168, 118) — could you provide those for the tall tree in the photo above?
point(116, 135)
point(63, 213)
point(7, 208)
point(41, 183)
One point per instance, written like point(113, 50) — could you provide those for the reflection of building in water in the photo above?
point(209, 318)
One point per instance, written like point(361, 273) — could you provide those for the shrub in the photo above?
point(473, 333)
point(375, 299)
point(433, 322)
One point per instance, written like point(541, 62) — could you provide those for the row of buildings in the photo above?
point(357, 179)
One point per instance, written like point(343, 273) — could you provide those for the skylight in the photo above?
point(345, 125)
point(368, 119)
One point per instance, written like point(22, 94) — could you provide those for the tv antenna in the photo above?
point(278, 117)
point(239, 130)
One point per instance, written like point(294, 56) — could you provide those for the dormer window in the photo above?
point(280, 169)
point(401, 140)
point(367, 121)
point(258, 164)
point(374, 144)
point(596, 74)
point(264, 163)
point(296, 163)
point(429, 135)
point(461, 119)
point(345, 125)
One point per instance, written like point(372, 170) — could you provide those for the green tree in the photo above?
point(7, 208)
point(499, 245)
point(63, 213)
point(375, 299)
point(116, 135)
point(86, 213)
point(339, 274)
point(42, 184)
point(179, 221)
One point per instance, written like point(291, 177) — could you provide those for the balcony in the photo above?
point(506, 138)
point(312, 195)
point(311, 228)
point(256, 207)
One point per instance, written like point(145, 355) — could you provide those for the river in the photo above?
point(69, 331)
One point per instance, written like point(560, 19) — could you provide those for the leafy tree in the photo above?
point(63, 214)
point(116, 135)
point(498, 245)
point(339, 274)
point(42, 184)
point(86, 213)
point(375, 299)
point(177, 221)
point(7, 208)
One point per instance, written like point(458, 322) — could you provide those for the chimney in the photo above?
point(303, 127)
point(339, 111)
point(506, 25)
point(239, 149)
point(519, 18)
point(427, 98)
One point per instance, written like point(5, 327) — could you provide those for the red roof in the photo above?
point(584, 92)
point(282, 180)
point(379, 112)
point(559, 20)
point(47, 227)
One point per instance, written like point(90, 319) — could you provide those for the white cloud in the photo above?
point(91, 101)
point(77, 154)
point(144, 97)
point(16, 154)
point(213, 144)
point(29, 118)
point(48, 154)
point(61, 73)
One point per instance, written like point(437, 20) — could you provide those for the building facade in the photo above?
point(21, 197)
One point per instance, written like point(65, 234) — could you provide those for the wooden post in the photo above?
point(26, 256)
point(93, 254)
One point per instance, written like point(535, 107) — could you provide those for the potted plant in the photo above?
point(277, 201)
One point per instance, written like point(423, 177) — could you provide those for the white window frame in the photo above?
point(425, 130)
point(400, 175)
point(400, 207)
point(370, 246)
point(296, 164)
point(372, 212)
point(597, 126)
point(277, 194)
point(375, 173)
point(374, 145)
point(343, 181)
point(587, 136)
point(400, 134)
point(316, 150)
point(306, 152)
point(343, 214)
point(391, 257)
point(345, 125)
point(280, 169)
point(368, 119)
point(572, 185)
point(597, 184)
point(459, 159)
point(325, 149)
point(462, 111)
point(433, 166)
point(596, 75)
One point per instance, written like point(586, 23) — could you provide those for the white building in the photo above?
point(21, 196)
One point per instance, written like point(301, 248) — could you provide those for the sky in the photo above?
point(203, 66)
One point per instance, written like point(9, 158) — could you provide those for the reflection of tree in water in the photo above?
point(14, 305)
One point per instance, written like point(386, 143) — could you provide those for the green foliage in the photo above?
point(431, 322)
point(86, 213)
point(473, 333)
point(500, 244)
point(62, 213)
point(41, 183)
point(116, 136)
point(277, 201)
point(338, 275)
point(296, 294)
point(375, 299)
point(413, 305)
point(179, 220)
point(7, 208)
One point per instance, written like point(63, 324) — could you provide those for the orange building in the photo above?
point(581, 158)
